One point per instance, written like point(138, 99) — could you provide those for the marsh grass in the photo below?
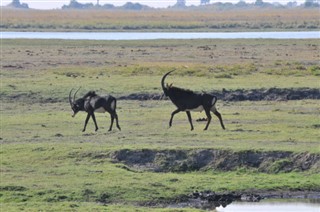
point(71, 174)
point(259, 125)
point(47, 163)
point(54, 85)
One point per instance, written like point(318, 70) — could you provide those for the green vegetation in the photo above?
point(69, 175)
point(45, 69)
point(47, 163)
point(250, 125)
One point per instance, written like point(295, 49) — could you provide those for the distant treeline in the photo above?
point(128, 6)
point(181, 4)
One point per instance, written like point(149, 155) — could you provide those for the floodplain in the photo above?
point(47, 163)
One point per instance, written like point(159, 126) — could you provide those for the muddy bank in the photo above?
point(271, 94)
point(203, 199)
point(210, 200)
point(210, 159)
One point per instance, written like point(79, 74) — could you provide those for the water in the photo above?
point(270, 206)
point(266, 205)
point(159, 35)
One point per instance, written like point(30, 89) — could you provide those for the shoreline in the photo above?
point(212, 200)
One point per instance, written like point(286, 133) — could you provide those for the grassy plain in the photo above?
point(47, 163)
point(49, 69)
point(161, 20)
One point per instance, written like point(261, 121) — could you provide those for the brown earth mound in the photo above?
point(223, 160)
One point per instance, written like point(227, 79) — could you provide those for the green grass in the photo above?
point(83, 206)
point(60, 173)
point(57, 83)
point(250, 125)
point(47, 163)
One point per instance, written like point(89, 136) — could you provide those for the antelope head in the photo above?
point(75, 104)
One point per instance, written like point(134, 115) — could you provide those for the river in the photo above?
point(159, 35)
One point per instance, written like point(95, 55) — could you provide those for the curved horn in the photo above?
point(70, 100)
point(163, 78)
point(74, 96)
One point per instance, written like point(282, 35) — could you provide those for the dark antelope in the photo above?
point(186, 100)
point(92, 103)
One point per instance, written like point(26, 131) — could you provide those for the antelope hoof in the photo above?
point(83, 130)
point(109, 130)
point(96, 129)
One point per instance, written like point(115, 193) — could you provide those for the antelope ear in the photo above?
point(167, 85)
point(170, 86)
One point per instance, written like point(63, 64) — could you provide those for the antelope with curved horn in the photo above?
point(92, 103)
point(187, 100)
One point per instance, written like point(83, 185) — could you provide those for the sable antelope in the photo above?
point(92, 103)
point(187, 100)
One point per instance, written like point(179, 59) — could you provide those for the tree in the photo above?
point(311, 3)
point(17, 4)
point(204, 1)
point(76, 5)
point(241, 3)
point(180, 3)
point(292, 4)
point(259, 3)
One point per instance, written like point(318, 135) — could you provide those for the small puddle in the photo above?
point(274, 205)
point(266, 205)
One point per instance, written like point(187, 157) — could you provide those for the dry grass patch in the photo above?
point(159, 20)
